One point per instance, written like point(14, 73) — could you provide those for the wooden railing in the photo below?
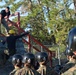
point(17, 25)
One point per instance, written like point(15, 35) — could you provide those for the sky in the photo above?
point(72, 6)
point(2, 3)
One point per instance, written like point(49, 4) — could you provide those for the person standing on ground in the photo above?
point(70, 63)
point(28, 69)
point(44, 69)
point(72, 47)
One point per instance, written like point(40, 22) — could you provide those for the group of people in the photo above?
point(12, 35)
point(27, 64)
point(30, 64)
point(29, 67)
point(70, 67)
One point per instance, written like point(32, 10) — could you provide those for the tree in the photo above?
point(43, 14)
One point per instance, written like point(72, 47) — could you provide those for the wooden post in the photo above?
point(18, 19)
point(29, 45)
point(50, 58)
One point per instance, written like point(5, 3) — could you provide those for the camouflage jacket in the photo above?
point(27, 71)
point(67, 67)
point(14, 71)
point(46, 70)
point(71, 71)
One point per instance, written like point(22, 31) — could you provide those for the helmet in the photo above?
point(69, 52)
point(11, 32)
point(72, 39)
point(29, 58)
point(17, 59)
point(42, 56)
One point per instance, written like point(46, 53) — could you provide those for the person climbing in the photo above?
point(3, 16)
point(11, 41)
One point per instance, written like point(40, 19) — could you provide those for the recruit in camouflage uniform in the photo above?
point(71, 71)
point(70, 67)
point(27, 71)
point(67, 67)
point(28, 60)
point(14, 71)
point(17, 63)
point(69, 64)
point(44, 69)
point(72, 47)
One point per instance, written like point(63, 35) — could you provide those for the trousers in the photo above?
point(5, 24)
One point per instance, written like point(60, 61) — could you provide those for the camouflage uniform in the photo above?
point(28, 61)
point(71, 41)
point(71, 71)
point(46, 70)
point(67, 66)
point(14, 71)
point(17, 62)
point(27, 71)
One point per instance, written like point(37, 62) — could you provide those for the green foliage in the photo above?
point(60, 18)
